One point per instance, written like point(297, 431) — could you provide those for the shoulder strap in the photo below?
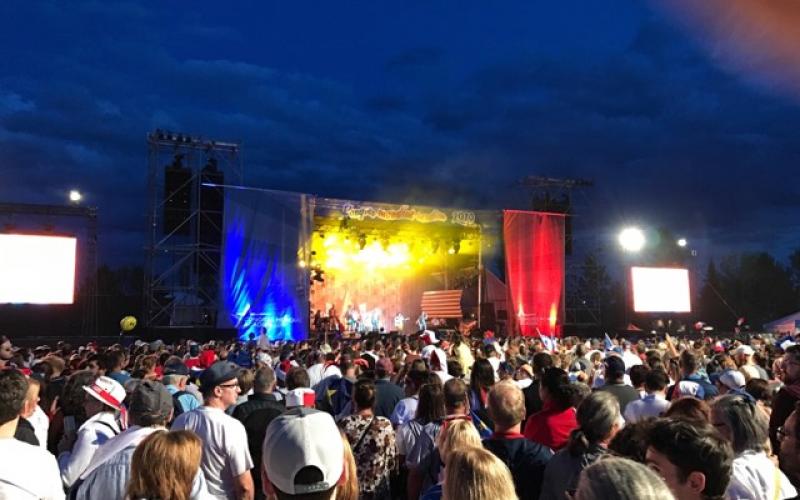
point(113, 430)
point(15, 485)
point(363, 435)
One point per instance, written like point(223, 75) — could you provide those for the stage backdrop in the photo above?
point(534, 245)
point(262, 285)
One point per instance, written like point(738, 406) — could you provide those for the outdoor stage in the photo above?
point(295, 262)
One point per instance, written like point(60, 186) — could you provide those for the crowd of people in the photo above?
point(433, 415)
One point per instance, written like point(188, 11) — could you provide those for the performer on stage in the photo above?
point(399, 321)
point(376, 320)
point(422, 321)
point(335, 322)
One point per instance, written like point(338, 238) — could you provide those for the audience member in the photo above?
point(525, 459)
point(178, 454)
point(598, 420)
point(102, 406)
point(784, 402)
point(303, 456)
point(620, 479)
point(150, 408)
point(372, 440)
point(552, 425)
point(745, 427)
point(474, 473)
point(614, 382)
point(693, 460)
point(387, 393)
point(26, 471)
point(654, 403)
point(226, 460)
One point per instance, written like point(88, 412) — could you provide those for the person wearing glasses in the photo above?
point(226, 461)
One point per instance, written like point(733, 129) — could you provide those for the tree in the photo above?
point(754, 285)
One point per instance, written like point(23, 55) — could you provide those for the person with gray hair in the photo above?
point(599, 420)
point(620, 479)
point(746, 427)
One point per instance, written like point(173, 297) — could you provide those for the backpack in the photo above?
point(177, 407)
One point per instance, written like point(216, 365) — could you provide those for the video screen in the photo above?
point(37, 269)
point(660, 289)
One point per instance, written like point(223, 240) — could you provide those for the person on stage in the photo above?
point(422, 321)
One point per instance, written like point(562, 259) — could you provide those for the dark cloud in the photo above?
point(431, 117)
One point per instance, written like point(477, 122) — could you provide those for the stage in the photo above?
point(294, 262)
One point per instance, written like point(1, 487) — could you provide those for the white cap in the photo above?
point(108, 391)
point(689, 388)
point(745, 349)
point(301, 438)
point(732, 379)
point(429, 337)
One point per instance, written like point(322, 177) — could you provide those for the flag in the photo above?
point(609, 345)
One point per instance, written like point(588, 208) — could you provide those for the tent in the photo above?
point(787, 325)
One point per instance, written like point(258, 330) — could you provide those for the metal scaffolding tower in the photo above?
point(185, 216)
point(550, 194)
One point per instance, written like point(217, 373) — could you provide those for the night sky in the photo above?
point(676, 116)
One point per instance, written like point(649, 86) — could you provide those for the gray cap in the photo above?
point(150, 398)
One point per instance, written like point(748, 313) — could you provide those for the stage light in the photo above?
point(682, 242)
point(451, 250)
point(301, 264)
point(631, 239)
point(75, 196)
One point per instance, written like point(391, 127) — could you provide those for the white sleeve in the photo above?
point(239, 452)
point(52, 477)
point(72, 464)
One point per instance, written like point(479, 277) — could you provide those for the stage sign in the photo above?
point(408, 213)
point(37, 269)
point(660, 289)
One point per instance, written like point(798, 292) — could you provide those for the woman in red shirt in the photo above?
point(552, 425)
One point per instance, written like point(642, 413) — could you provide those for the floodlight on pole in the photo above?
point(682, 242)
point(631, 239)
point(75, 196)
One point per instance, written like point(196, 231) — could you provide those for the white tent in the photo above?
point(787, 325)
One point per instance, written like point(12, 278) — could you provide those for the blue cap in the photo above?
point(218, 373)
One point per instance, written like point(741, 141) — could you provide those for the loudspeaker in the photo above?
point(178, 185)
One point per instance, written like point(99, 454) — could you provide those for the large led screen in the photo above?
point(660, 289)
point(37, 269)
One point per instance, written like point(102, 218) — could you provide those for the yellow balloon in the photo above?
point(127, 323)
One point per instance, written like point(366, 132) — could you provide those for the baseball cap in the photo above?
point(429, 337)
point(108, 391)
point(303, 438)
point(745, 349)
point(150, 398)
point(176, 367)
point(732, 379)
point(689, 388)
point(218, 373)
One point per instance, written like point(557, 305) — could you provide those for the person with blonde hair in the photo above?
point(177, 454)
point(620, 479)
point(473, 473)
point(455, 435)
point(348, 489)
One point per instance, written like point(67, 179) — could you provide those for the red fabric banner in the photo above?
point(534, 246)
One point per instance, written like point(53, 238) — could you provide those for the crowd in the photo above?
point(427, 416)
